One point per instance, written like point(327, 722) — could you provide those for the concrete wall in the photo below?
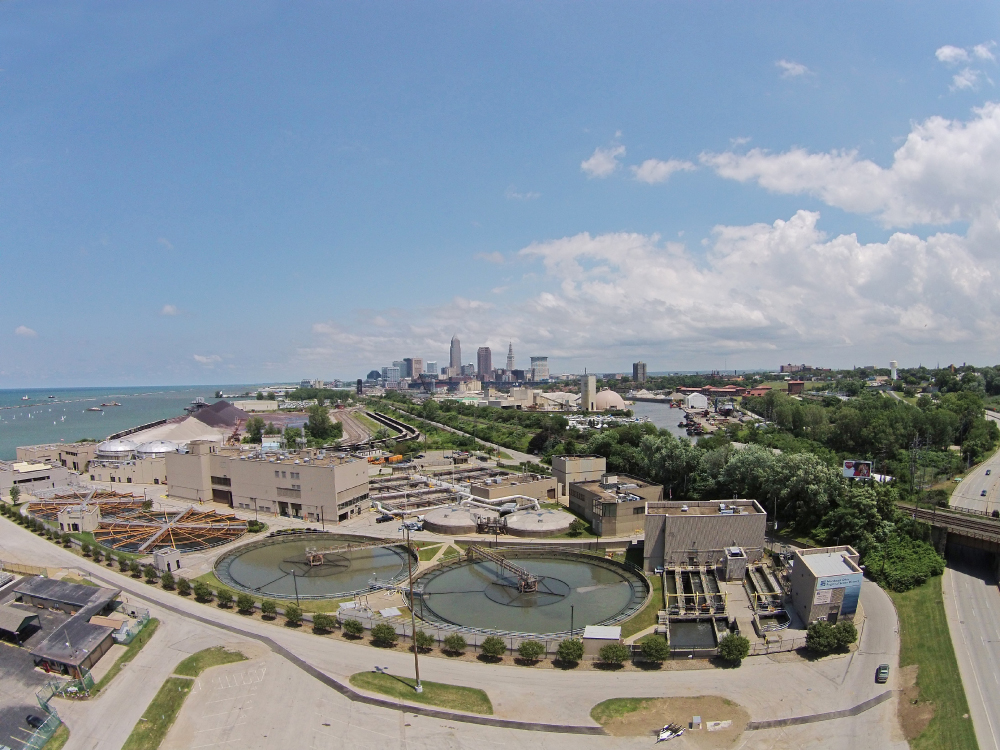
point(543, 488)
point(29, 481)
point(138, 471)
point(569, 469)
point(605, 514)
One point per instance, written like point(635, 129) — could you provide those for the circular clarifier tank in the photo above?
point(278, 566)
point(486, 596)
point(547, 522)
point(455, 520)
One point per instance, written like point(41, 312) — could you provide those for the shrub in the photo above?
point(293, 614)
point(323, 622)
point(614, 653)
point(570, 650)
point(167, 581)
point(821, 638)
point(85, 549)
point(493, 647)
point(225, 597)
point(454, 643)
point(655, 649)
point(423, 641)
point(244, 603)
point(902, 563)
point(846, 633)
point(269, 609)
point(353, 628)
point(255, 527)
point(530, 650)
point(67, 540)
point(384, 634)
point(576, 527)
point(150, 573)
point(136, 569)
point(734, 648)
point(203, 592)
point(123, 564)
point(98, 556)
point(183, 587)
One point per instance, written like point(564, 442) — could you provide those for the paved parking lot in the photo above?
point(18, 683)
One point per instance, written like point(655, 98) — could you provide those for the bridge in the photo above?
point(526, 582)
point(315, 556)
point(965, 527)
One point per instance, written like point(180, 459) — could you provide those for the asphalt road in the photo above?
point(969, 492)
point(972, 604)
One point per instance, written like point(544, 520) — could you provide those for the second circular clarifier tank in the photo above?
point(546, 522)
point(455, 519)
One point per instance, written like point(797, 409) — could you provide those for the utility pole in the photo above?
point(295, 583)
point(413, 623)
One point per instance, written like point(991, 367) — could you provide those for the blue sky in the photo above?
point(262, 191)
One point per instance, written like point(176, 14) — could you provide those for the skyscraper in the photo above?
point(639, 372)
point(539, 369)
point(484, 364)
point(510, 356)
point(431, 369)
point(455, 361)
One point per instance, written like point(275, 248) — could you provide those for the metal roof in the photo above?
point(828, 564)
point(64, 592)
point(603, 632)
point(12, 620)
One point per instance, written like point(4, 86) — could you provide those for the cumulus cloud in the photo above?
point(25, 332)
point(968, 77)
point(494, 257)
point(945, 171)
point(653, 171)
point(168, 310)
point(790, 69)
point(603, 162)
point(512, 194)
point(985, 51)
point(950, 55)
point(210, 360)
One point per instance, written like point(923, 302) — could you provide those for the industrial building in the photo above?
point(30, 477)
point(614, 505)
point(570, 469)
point(540, 369)
point(73, 456)
point(588, 393)
point(639, 372)
point(308, 484)
point(826, 583)
point(697, 533)
point(510, 485)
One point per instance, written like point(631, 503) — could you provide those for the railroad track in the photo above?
point(981, 527)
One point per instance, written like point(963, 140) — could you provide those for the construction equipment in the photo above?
point(527, 583)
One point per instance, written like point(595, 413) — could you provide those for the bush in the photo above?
point(353, 628)
point(384, 634)
point(225, 597)
point(422, 641)
point(323, 622)
point(255, 527)
point(821, 638)
point(203, 592)
point(98, 556)
point(123, 564)
point(576, 527)
point(734, 648)
point(293, 614)
point(846, 633)
point(268, 608)
point(150, 573)
point(902, 563)
point(167, 581)
point(136, 569)
point(493, 647)
point(183, 586)
point(655, 649)
point(244, 603)
point(570, 650)
point(530, 650)
point(85, 549)
point(614, 653)
point(67, 540)
point(454, 643)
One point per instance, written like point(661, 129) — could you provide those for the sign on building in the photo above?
point(858, 469)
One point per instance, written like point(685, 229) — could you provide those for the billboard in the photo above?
point(858, 469)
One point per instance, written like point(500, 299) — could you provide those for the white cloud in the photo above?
point(168, 310)
point(210, 360)
point(494, 257)
point(25, 331)
point(603, 162)
point(166, 243)
point(985, 51)
point(791, 69)
point(945, 171)
point(950, 55)
point(653, 171)
point(511, 194)
point(967, 78)
point(739, 141)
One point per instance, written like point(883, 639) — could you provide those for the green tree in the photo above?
point(846, 633)
point(353, 628)
point(85, 549)
point(614, 653)
point(493, 647)
point(167, 581)
point(136, 569)
point(734, 648)
point(245, 603)
point(655, 649)
point(225, 597)
point(423, 641)
point(269, 609)
point(384, 634)
point(821, 638)
point(254, 429)
point(454, 643)
point(150, 574)
point(570, 650)
point(320, 427)
point(183, 586)
point(123, 564)
point(15, 494)
point(576, 527)
point(203, 592)
point(530, 650)
point(98, 556)
point(293, 614)
point(292, 436)
point(323, 622)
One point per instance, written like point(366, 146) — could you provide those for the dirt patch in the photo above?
point(653, 713)
point(914, 714)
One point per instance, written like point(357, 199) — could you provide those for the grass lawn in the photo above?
point(471, 700)
point(926, 641)
point(58, 740)
point(615, 708)
point(131, 651)
point(427, 553)
point(197, 663)
point(646, 616)
point(150, 730)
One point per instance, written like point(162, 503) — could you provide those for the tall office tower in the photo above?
point(588, 393)
point(455, 360)
point(639, 372)
point(416, 367)
point(390, 375)
point(407, 369)
point(539, 369)
point(484, 364)
point(402, 367)
point(510, 356)
point(432, 369)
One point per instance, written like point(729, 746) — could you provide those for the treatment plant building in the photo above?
point(615, 504)
point(826, 583)
point(700, 532)
point(310, 485)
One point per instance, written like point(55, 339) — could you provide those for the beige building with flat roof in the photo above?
point(826, 583)
point(698, 532)
point(305, 484)
point(569, 469)
point(73, 456)
point(614, 505)
point(29, 477)
point(530, 485)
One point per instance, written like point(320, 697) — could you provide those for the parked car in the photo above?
point(988, 472)
point(882, 673)
point(982, 494)
point(34, 721)
point(384, 518)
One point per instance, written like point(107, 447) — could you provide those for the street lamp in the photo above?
point(413, 622)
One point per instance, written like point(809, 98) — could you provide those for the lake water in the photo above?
point(663, 417)
point(65, 418)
